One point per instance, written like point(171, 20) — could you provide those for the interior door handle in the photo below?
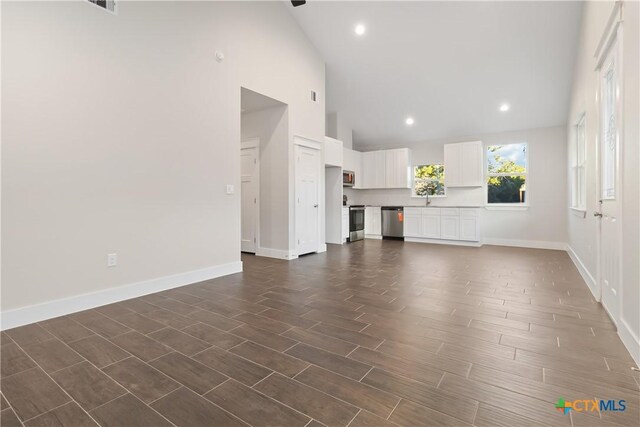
point(597, 214)
point(315, 206)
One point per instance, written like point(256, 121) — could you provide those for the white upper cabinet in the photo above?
point(333, 153)
point(386, 168)
point(398, 164)
point(463, 164)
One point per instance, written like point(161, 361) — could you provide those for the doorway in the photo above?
point(307, 196)
point(264, 155)
point(609, 189)
point(249, 194)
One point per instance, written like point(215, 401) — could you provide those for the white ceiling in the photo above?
point(447, 64)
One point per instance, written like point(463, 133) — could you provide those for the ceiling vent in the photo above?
point(108, 5)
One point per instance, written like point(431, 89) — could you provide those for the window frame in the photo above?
point(579, 166)
point(413, 181)
point(507, 206)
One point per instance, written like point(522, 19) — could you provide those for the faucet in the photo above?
point(428, 201)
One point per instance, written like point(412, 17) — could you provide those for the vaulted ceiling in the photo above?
point(449, 65)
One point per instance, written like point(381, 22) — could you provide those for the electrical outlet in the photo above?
point(112, 260)
point(230, 189)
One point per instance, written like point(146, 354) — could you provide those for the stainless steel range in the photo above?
point(356, 222)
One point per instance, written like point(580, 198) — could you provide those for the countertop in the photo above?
point(430, 206)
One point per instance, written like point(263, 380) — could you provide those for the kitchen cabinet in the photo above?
point(345, 223)
point(397, 167)
point(469, 224)
point(374, 165)
point(386, 168)
point(430, 223)
point(412, 222)
point(463, 165)
point(352, 161)
point(333, 153)
point(447, 224)
point(373, 221)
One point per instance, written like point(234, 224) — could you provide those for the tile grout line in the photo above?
point(56, 383)
point(367, 373)
point(354, 417)
point(393, 410)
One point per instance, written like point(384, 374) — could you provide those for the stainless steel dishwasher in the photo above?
point(393, 222)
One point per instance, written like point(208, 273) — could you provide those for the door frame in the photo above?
point(318, 146)
point(611, 38)
point(252, 143)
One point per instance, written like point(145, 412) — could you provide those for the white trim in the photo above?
point(307, 142)
point(248, 144)
point(322, 248)
point(584, 272)
point(302, 141)
point(579, 212)
point(609, 34)
point(373, 236)
point(442, 241)
point(276, 253)
point(38, 312)
point(532, 244)
point(630, 340)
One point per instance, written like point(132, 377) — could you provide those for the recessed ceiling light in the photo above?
point(504, 107)
point(360, 29)
point(409, 121)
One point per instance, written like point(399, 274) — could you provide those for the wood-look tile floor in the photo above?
point(375, 333)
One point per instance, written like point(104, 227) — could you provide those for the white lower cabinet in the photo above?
point(345, 223)
point(442, 223)
point(431, 226)
point(449, 227)
point(469, 224)
point(372, 221)
point(412, 225)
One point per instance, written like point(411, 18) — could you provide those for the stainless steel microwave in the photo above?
point(348, 178)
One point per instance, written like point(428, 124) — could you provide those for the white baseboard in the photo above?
point(584, 272)
point(532, 244)
point(630, 340)
point(373, 236)
point(276, 253)
point(322, 248)
point(38, 312)
point(442, 241)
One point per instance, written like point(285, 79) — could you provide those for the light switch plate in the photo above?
point(112, 260)
point(230, 189)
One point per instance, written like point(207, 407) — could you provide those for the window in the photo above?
point(579, 184)
point(428, 180)
point(507, 174)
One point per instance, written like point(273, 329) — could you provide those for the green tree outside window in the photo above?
point(507, 170)
point(428, 179)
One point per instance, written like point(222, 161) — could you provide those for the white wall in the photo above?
point(337, 127)
point(271, 125)
point(544, 222)
point(583, 232)
point(120, 134)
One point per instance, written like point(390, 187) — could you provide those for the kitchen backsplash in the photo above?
point(402, 197)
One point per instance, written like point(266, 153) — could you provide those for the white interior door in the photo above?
point(609, 144)
point(250, 185)
point(307, 173)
